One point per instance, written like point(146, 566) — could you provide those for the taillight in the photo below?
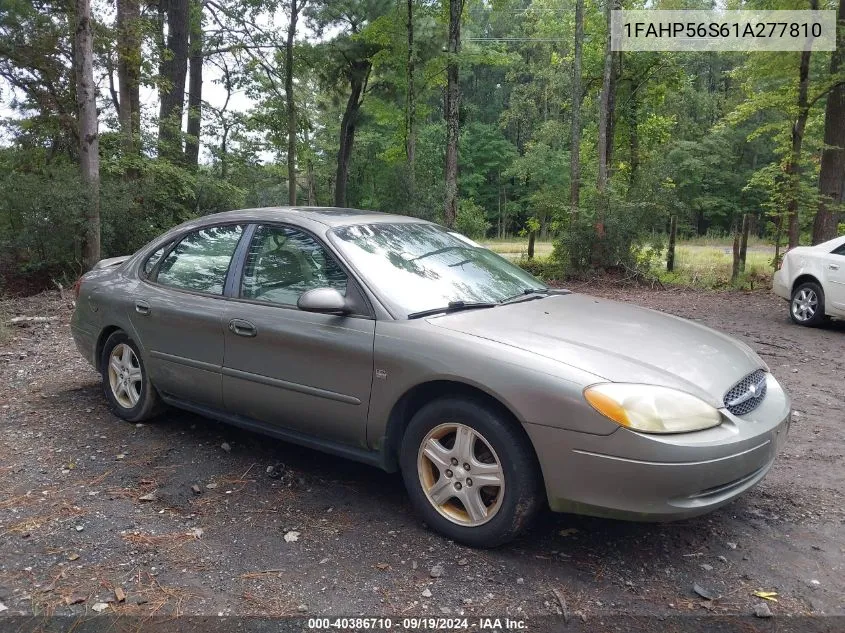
point(76, 287)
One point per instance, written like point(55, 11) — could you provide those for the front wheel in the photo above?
point(807, 304)
point(126, 385)
point(471, 472)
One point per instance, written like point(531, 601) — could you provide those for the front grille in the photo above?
point(744, 401)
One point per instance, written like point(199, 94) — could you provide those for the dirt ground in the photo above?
point(99, 514)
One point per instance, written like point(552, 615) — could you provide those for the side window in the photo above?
point(840, 250)
point(201, 260)
point(152, 260)
point(284, 262)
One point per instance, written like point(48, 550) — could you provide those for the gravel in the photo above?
point(53, 419)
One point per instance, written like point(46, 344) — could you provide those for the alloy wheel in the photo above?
point(804, 304)
point(125, 376)
point(460, 474)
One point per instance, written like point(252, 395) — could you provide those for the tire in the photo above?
point(806, 307)
point(137, 400)
point(497, 445)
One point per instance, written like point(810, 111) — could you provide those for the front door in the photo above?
point(834, 270)
point(178, 314)
point(306, 372)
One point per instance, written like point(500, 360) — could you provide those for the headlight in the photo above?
point(652, 409)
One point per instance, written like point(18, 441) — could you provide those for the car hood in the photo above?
point(616, 342)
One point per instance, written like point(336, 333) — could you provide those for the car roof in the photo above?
point(329, 216)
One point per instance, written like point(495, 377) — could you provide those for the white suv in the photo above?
point(812, 278)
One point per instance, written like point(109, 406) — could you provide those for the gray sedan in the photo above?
point(404, 345)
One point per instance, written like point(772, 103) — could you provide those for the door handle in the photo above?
point(142, 307)
point(833, 266)
point(242, 328)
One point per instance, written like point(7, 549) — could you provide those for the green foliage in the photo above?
point(703, 137)
point(41, 210)
point(471, 220)
point(547, 268)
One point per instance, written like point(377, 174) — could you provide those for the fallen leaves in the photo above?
point(766, 595)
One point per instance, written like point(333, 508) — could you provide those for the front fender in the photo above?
point(535, 389)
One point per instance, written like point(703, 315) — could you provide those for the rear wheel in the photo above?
point(126, 384)
point(470, 472)
point(807, 304)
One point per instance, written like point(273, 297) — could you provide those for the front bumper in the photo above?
point(637, 476)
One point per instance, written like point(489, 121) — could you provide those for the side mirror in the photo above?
point(323, 300)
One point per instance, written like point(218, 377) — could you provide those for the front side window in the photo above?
point(201, 260)
point(284, 262)
point(423, 266)
point(840, 250)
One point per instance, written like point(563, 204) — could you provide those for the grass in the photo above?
point(709, 266)
point(516, 247)
point(703, 262)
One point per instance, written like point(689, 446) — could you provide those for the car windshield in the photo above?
point(419, 267)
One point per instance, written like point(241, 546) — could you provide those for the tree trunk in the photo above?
point(634, 139)
point(453, 95)
point(793, 167)
point(532, 236)
point(290, 102)
point(605, 105)
point(411, 106)
point(743, 245)
point(778, 236)
point(607, 102)
point(832, 173)
point(670, 253)
point(358, 74)
point(224, 153)
point(192, 141)
point(129, 72)
point(173, 70)
point(312, 185)
point(89, 144)
point(575, 151)
point(615, 69)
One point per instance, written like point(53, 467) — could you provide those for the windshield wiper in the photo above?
point(454, 306)
point(527, 294)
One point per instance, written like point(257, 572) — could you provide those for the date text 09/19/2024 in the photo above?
point(417, 623)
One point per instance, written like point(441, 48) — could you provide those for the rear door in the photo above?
point(178, 313)
point(834, 272)
point(305, 372)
